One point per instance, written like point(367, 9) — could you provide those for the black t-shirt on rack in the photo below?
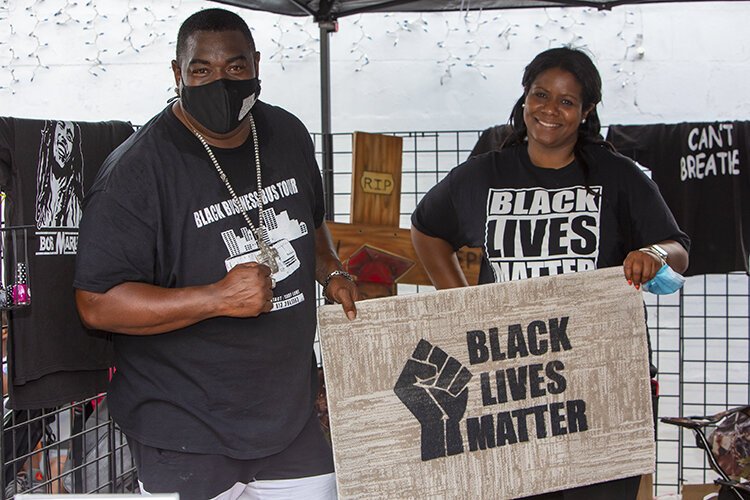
point(160, 214)
point(702, 171)
point(533, 221)
point(46, 167)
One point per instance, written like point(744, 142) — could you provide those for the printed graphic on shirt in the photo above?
point(59, 188)
point(541, 232)
point(280, 230)
point(247, 202)
point(711, 151)
point(59, 185)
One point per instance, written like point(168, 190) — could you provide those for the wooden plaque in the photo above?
point(376, 179)
point(348, 238)
point(495, 391)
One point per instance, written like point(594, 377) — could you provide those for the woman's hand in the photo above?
point(640, 266)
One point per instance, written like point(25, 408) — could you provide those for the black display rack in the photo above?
point(15, 290)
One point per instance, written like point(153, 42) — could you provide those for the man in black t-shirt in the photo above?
point(200, 245)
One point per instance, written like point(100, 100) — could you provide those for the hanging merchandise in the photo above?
point(15, 290)
point(46, 167)
point(701, 170)
point(20, 291)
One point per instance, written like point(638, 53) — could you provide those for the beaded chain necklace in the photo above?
point(268, 254)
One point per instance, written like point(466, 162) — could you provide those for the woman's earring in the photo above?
point(523, 104)
point(583, 121)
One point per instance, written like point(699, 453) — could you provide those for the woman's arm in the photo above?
point(439, 260)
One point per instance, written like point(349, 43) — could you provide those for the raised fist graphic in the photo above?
point(432, 385)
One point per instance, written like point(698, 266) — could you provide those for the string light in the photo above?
point(624, 71)
point(301, 44)
point(468, 53)
point(46, 20)
point(469, 41)
point(561, 29)
point(406, 26)
point(356, 47)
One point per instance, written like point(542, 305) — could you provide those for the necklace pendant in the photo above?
point(268, 256)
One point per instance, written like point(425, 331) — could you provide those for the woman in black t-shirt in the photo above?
point(555, 129)
point(554, 155)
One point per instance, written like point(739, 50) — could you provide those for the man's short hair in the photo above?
point(211, 20)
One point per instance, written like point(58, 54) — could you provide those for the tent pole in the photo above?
point(326, 28)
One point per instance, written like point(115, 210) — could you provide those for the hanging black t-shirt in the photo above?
point(702, 171)
point(534, 221)
point(159, 214)
point(491, 139)
point(46, 166)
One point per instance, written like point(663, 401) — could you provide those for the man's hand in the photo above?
point(343, 291)
point(245, 291)
point(143, 309)
point(432, 385)
point(340, 289)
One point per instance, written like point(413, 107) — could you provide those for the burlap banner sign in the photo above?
point(494, 391)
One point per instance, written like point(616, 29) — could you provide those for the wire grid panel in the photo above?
point(699, 336)
point(76, 448)
point(715, 356)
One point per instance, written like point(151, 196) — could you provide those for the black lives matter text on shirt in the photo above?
point(534, 221)
point(540, 232)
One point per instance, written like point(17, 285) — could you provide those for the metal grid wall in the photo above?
point(699, 336)
point(700, 339)
point(75, 448)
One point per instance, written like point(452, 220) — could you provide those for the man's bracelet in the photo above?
point(337, 272)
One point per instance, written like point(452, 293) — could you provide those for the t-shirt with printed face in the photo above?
point(533, 221)
point(159, 214)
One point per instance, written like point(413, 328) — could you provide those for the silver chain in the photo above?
point(259, 232)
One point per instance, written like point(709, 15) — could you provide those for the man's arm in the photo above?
point(340, 289)
point(143, 309)
point(439, 260)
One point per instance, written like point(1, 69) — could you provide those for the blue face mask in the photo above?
point(665, 282)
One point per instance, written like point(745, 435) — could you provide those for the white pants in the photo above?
point(321, 487)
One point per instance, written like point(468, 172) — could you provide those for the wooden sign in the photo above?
point(495, 391)
point(376, 179)
point(348, 238)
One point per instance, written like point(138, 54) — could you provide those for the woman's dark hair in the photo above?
point(578, 64)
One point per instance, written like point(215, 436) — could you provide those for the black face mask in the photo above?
point(220, 105)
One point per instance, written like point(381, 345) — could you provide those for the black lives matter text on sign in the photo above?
point(526, 382)
point(434, 386)
point(542, 232)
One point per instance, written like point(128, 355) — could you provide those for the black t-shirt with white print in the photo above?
point(159, 214)
point(533, 221)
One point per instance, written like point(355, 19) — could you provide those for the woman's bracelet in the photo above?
point(337, 272)
point(655, 253)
